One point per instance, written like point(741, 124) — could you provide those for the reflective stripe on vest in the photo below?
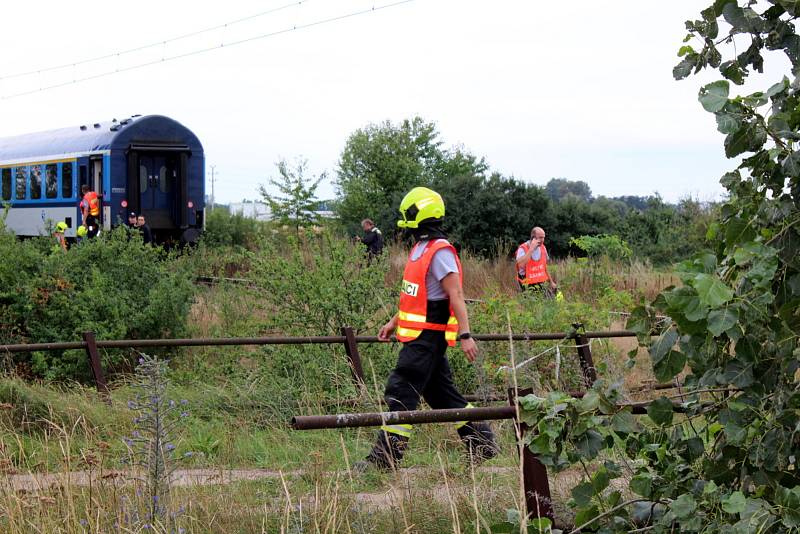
point(459, 424)
point(92, 203)
point(399, 430)
point(535, 270)
point(413, 314)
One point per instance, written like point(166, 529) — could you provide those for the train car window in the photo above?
point(66, 180)
point(164, 180)
point(36, 182)
point(21, 176)
point(6, 184)
point(83, 176)
point(142, 178)
point(51, 180)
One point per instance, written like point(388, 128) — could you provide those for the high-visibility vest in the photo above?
point(535, 270)
point(413, 314)
point(92, 203)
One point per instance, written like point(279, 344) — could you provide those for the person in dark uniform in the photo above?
point(372, 239)
point(432, 316)
point(141, 225)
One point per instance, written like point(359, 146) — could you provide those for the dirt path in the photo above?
point(180, 478)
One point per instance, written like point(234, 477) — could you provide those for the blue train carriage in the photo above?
point(151, 165)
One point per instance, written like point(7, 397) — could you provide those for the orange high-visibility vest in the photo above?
point(92, 203)
point(413, 315)
point(535, 270)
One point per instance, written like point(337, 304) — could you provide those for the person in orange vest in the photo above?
point(90, 211)
point(531, 261)
point(432, 316)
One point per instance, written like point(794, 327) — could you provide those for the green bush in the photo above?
point(114, 286)
point(226, 229)
point(610, 246)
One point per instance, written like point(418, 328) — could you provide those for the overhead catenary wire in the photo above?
point(162, 42)
point(275, 33)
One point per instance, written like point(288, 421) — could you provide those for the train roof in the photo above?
point(96, 137)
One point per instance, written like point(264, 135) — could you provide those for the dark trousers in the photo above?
point(92, 226)
point(423, 370)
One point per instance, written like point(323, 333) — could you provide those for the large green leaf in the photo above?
point(712, 291)
point(722, 319)
point(642, 484)
point(734, 503)
point(714, 96)
point(683, 506)
point(670, 365)
point(582, 493)
point(791, 164)
point(660, 411)
point(663, 344)
point(624, 423)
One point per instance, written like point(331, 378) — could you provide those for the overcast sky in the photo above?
point(542, 89)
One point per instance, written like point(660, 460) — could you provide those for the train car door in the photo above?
point(158, 176)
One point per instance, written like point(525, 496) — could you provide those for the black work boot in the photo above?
point(385, 454)
point(478, 439)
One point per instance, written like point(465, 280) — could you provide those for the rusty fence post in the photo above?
point(97, 367)
point(538, 502)
point(353, 357)
point(585, 356)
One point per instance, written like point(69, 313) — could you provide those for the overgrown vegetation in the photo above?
point(731, 330)
point(114, 286)
point(486, 211)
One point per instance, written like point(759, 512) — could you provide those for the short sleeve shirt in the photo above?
point(535, 257)
point(442, 264)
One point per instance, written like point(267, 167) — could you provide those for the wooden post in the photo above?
point(97, 367)
point(538, 502)
point(585, 357)
point(353, 357)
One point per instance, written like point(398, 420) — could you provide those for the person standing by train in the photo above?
point(90, 211)
point(147, 235)
point(61, 240)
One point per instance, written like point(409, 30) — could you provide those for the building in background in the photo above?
point(253, 210)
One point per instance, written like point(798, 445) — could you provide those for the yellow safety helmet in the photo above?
point(61, 227)
point(420, 204)
point(82, 231)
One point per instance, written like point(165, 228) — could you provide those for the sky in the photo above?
point(581, 90)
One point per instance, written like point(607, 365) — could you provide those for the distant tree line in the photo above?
point(486, 210)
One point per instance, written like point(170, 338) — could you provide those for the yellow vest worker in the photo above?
point(432, 316)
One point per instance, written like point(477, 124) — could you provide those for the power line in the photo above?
point(209, 49)
point(152, 45)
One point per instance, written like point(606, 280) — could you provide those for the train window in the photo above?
point(51, 180)
point(142, 178)
point(66, 180)
point(36, 182)
point(21, 176)
point(164, 180)
point(6, 184)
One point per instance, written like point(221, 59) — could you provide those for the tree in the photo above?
point(558, 188)
point(296, 203)
point(382, 162)
point(731, 329)
point(482, 213)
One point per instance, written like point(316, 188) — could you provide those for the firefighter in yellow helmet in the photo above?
point(432, 316)
point(61, 240)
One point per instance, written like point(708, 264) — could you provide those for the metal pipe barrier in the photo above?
point(348, 339)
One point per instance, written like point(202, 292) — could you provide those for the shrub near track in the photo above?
point(114, 286)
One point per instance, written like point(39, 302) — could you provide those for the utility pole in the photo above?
point(213, 179)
